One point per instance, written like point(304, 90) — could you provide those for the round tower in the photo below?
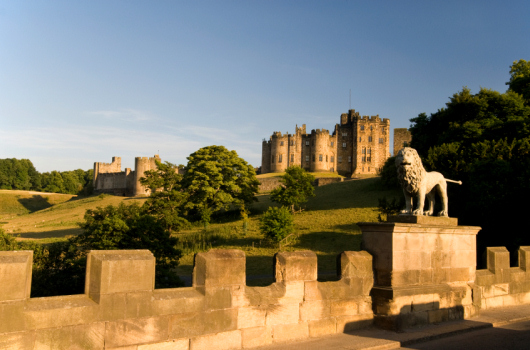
point(265, 157)
point(320, 151)
point(279, 152)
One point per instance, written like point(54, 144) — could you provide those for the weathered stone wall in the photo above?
point(500, 284)
point(402, 138)
point(121, 309)
point(270, 183)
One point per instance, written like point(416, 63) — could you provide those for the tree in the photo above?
point(520, 79)
point(277, 223)
point(167, 198)
point(215, 179)
point(296, 186)
point(130, 227)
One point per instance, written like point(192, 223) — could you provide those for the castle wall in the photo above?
point(279, 152)
point(105, 168)
point(265, 157)
point(402, 138)
point(121, 309)
point(119, 183)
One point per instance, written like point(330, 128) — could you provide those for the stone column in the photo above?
point(423, 269)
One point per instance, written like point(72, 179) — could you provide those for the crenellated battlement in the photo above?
point(121, 308)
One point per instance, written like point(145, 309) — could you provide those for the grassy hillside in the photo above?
point(326, 226)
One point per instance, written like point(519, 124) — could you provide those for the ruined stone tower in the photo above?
point(402, 138)
point(358, 145)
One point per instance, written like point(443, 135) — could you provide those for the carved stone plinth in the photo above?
point(422, 272)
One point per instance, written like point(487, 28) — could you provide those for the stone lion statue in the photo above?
point(417, 183)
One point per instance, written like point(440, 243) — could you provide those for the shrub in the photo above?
point(277, 224)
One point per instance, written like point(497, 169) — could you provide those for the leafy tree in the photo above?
point(277, 223)
point(129, 227)
point(520, 79)
point(215, 179)
point(167, 198)
point(388, 174)
point(297, 185)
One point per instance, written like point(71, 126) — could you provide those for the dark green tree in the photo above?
point(167, 199)
point(215, 179)
point(520, 79)
point(297, 186)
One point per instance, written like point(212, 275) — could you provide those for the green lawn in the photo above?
point(327, 225)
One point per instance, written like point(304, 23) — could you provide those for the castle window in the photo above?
point(364, 150)
point(381, 140)
point(320, 157)
point(368, 168)
point(344, 145)
point(307, 158)
point(364, 159)
point(332, 159)
point(340, 159)
point(292, 143)
point(369, 138)
point(369, 159)
point(349, 159)
point(326, 158)
point(371, 127)
point(281, 143)
point(383, 129)
point(307, 143)
point(280, 158)
point(360, 139)
point(332, 143)
point(292, 158)
point(369, 151)
point(362, 127)
point(344, 134)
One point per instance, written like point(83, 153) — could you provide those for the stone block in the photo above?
point(119, 271)
point(356, 264)
point(192, 324)
point(257, 336)
point(351, 323)
point(136, 331)
point(484, 277)
point(219, 268)
point(113, 307)
point(287, 332)
point(220, 341)
point(60, 311)
point(498, 258)
point(12, 317)
point(461, 274)
point(524, 258)
point(406, 278)
point(15, 274)
point(501, 289)
point(517, 275)
point(320, 328)
point(455, 313)
point(464, 258)
point(314, 310)
point(164, 302)
point(437, 316)
point(296, 266)
point(344, 307)
point(494, 302)
point(423, 302)
point(282, 314)
point(90, 336)
point(177, 344)
point(17, 341)
point(426, 276)
point(218, 298)
point(248, 317)
point(294, 292)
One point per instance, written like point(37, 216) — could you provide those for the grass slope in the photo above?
point(327, 225)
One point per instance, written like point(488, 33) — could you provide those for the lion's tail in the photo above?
point(456, 182)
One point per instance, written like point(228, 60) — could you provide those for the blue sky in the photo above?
point(82, 81)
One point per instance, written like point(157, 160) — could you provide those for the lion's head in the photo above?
point(410, 170)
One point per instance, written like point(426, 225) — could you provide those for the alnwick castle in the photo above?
point(358, 145)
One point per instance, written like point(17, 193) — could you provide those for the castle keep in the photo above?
point(108, 177)
point(358, 145)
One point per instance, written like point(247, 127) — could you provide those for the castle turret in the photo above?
point(143, 164)
point(279, 152)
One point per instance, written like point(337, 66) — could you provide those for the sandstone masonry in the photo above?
point(358, 145)
point(108, 177)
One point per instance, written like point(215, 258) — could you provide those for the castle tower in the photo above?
point(279, 152)
point(105, 168)
point(265, 157)
point(320, 150)
point(143, 164)
point(402, 138)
